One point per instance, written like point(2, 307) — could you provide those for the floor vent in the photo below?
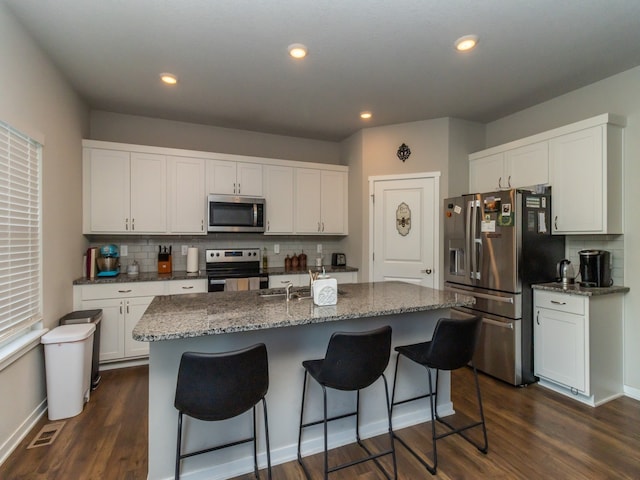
point(47, 435)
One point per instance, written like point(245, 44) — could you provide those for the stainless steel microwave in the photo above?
point(229, 213)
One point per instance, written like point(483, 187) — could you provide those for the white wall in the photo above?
point(37, 100)
point(620, 95)
point(440, 145)
point(114, 127)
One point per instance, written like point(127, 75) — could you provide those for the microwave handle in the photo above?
point(255, 214)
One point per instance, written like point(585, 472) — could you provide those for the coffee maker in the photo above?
point(595, 269)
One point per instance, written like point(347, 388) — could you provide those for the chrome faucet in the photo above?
point(287, 290)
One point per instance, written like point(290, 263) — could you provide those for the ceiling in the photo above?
point(394, 58)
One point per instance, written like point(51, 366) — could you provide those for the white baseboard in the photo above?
point(632, 392)
point(22, 431)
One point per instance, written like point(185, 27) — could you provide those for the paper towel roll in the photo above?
point(192, 260)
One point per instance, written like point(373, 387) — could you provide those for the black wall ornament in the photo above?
point(403, 152)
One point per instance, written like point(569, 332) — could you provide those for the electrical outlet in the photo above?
point(185, 249)
point(319, 248)
point(276, 248)
point(124, 250)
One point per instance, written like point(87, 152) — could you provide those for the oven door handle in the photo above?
point(213, 281)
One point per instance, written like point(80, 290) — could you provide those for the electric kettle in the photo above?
point(566, 273)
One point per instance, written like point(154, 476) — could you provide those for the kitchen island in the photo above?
point(292, 331)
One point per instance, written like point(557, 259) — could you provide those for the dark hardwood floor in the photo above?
point(533, 434)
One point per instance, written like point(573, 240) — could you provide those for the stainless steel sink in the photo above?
point(299, 293)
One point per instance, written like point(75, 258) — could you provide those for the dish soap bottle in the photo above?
point(265, 260)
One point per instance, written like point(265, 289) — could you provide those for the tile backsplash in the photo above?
point(612, 243)
point(145, 250)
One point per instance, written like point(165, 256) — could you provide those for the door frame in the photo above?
point(436, 228)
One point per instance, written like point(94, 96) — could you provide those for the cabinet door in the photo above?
point(307, 204)
point(221, 177)
point(187, 198)
point(249, 179)
point(333, 202)
point(278, 191)
point(280, 281)
point(578, 176)
point(148, 193)
point(108, 184)
point(486, 174)
point(134, 309)
point(111, 327)
point(559, 348)
point(528, 165)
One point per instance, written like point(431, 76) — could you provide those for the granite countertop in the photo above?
point(576, 289)
point(313, 268)
point(183, 275)
point(194, 315)
point(141, 277)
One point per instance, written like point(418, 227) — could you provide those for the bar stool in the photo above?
point(219, 386)
point(353, 362)
point(451, 347)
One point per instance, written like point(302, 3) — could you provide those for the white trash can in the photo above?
point(67, 355)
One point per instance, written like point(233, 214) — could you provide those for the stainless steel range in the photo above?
point(241, 263)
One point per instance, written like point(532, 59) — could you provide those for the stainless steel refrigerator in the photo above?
point(496, 246)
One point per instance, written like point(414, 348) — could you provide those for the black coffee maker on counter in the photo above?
point(595, 268)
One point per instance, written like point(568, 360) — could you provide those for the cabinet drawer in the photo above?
point(178, 287)
point(561, 302)
point(122, 290)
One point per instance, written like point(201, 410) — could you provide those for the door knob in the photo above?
point(427, 271)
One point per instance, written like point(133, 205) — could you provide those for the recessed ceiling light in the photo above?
point(169, 78)
point(365, 115)
point(466, 43)
point(297, 50)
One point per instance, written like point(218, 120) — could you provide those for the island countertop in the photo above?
point(194, 315)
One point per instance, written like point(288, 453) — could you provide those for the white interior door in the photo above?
point(405, 230)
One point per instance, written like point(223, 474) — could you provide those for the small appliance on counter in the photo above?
point(325, 290)
point(595, 268)
point(566, 273)
point(164, 260)
point(108, 261)
point(338, 260)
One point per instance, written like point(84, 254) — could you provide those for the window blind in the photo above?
point(20, 233)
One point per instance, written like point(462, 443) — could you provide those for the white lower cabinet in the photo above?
point(122, 305)
point(578, 344)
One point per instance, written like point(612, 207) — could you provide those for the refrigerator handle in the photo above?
point(475, 243)
point(470, 234)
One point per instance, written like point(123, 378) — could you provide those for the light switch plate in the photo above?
point(185, 249)
point(319, 248)
point(276, 248)
point(124, 250)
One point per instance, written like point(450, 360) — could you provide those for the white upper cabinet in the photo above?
point(187, 205)
point(586, 174)
point(321, 202)
point(527, 166)
point(138, 189)
point(124, 192)
point(234, 178)
point(278, 193)
point(486, 173)
point(582, 162)
point(514, 168)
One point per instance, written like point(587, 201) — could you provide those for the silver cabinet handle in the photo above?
point(555, 302)
point(133, 225)
point(509, 181)
point(499, 183)
point(538, 317)
point(126, 224)
point(318, 226)
point(202, 225)
point(187, 287)
point(555, 222)
point(124, 291)
point(323, 226)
